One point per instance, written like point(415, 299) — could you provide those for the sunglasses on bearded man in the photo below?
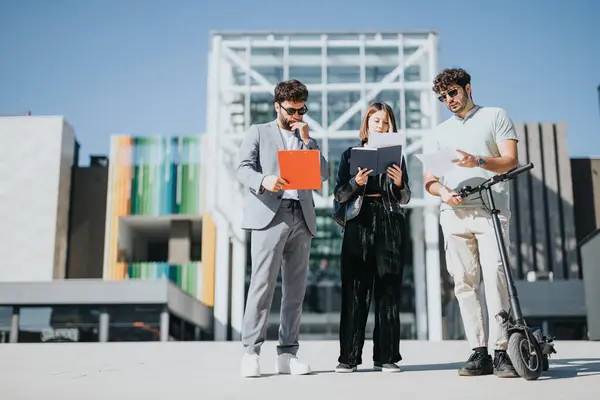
point(292, 111)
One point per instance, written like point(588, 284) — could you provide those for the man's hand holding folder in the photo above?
point(273, 183)
point(300, 169)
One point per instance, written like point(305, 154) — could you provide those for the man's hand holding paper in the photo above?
point(440, 162)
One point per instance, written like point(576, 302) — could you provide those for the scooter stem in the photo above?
point(512, 290)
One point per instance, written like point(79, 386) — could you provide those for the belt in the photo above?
point(290, 203)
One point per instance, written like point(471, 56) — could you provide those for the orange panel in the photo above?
point(209, 248)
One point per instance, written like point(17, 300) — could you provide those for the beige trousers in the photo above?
point(472, 254)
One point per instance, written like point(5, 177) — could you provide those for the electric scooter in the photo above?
point(528, 348)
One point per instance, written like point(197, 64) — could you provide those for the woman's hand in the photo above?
point(361, 176)
point(395, 172)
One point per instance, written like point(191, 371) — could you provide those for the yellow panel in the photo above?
point(209, 248)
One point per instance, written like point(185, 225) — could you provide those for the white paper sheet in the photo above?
point(377, 139)
point(440, 162)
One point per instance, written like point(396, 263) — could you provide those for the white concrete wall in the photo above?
point(36, 155)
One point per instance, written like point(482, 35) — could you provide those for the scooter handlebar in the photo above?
point(516, 171)
point(468, 190)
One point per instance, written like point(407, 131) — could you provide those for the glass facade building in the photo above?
point(344, 73)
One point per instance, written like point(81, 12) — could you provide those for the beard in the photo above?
point(462, 104)
point(457, 108)
point(285, 124)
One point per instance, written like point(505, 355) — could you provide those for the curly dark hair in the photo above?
point(292, 90)
point(450, 77)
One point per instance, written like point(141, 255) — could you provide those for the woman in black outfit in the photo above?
point(369, 207)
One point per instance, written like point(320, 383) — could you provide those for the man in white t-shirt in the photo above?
point(487, 141)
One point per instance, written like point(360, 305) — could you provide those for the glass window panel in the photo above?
point(266, 55)
point(412, 73)
point(239, 51)
point(338, 103)
point(379, 56)
point(304, 36)
point(261, 108)
point(343, 51)
point(305, 51)
point(5, 323)
point(238, 76)
point(342, 36)
point(232, 36)
point(134, 322)
point(176, 327)
point(343, 56)
point(413, 109)
point(306, 75)
point(238, 112)
point(343, 74)
point(376, 74)
point(272, 74)
point(315, 106)
point(336, 148)
point(59, 324)
point(409, 50)
point(387, 51)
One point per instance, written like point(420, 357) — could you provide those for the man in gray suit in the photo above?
point(282, 225)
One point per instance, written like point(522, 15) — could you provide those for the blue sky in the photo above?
point(139, 66)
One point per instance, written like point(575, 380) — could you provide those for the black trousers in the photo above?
point(372, 265)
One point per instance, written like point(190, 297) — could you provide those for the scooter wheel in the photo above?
point(526, 358)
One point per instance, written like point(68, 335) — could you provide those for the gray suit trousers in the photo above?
point(284, 243)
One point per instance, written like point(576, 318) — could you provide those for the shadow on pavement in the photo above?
point(572, 368)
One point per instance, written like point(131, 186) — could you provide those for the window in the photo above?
point(134, 323)
point(261, 108)
point(307, 75)
point(338, 104)
point(343, 74)
point(5, 323)
point(59, 324)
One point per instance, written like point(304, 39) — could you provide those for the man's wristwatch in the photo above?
point(480, 161)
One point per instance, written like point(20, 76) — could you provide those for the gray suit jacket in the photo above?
point(257, 159)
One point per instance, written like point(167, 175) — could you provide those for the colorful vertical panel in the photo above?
point(152, 177)
point(118, 205)
point(209, 249)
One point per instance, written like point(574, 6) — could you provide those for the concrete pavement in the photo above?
point(210, 370)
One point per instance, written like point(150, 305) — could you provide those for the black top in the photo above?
point(346, 187)
point(376, 184)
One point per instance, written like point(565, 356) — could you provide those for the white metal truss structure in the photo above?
point(344, 73)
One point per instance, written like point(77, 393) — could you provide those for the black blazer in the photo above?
point(348, 196)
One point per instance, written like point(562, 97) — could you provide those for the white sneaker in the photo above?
point(289, 364)
point(388, 367)
point(250, 367)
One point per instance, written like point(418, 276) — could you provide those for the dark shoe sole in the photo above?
point(506, 374)
point(463, 372)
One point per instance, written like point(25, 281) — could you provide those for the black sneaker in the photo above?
point(341, 368)
point(503, 367)
point(478, 364)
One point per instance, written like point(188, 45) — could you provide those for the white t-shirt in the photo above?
point(291, 143)
point(479, 134)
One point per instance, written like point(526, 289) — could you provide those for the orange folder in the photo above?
point(301, 169)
